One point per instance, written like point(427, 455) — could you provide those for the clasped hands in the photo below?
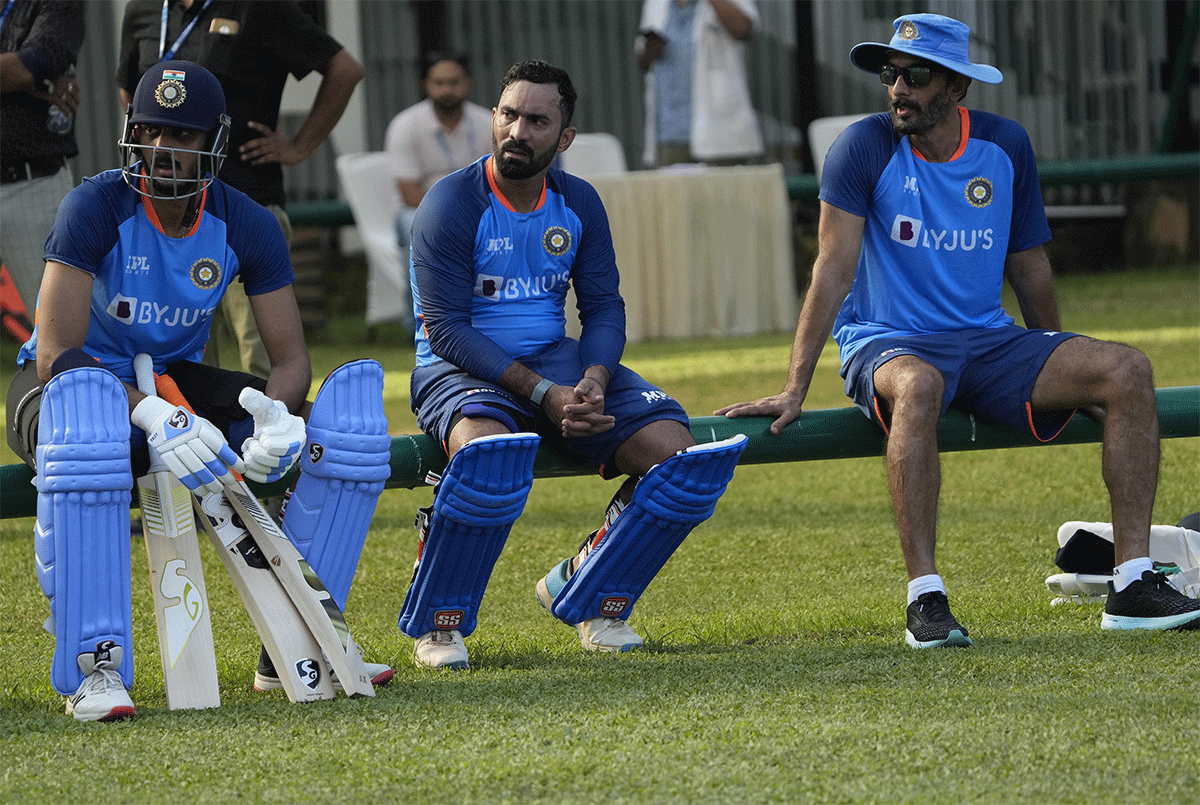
point(579, 410)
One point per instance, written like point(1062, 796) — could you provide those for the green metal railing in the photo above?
point(817, 435)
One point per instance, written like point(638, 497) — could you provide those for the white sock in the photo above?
point(925, 584)
point(1128, 572)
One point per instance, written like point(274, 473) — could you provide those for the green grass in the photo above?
point(775, 667)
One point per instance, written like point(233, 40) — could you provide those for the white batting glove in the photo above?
point(193, 449)
point(277, 440)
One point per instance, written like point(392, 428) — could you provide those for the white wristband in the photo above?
point(539, 391)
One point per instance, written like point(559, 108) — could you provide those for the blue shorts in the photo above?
point(440, 390)
point(988, 372)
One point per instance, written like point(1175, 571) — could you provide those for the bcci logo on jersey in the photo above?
point(205, 273)
point(979, 192)
point(556, 241)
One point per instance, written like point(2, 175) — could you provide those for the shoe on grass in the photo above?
point(595, 634)
point(931, 624)
point(439, 649)
point(1150, 602)
point(102, 695)
point(267, 678)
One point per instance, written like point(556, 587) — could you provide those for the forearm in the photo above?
point(817, 315)
point(15, 76)
point(1032, 280)
point(290, 381)
point(733, 19)
point(337, 85)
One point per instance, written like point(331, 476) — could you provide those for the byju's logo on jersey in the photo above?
point(122, 308)
point(556, 241)
point(205, 273)
point(128, 310)
point(906, 230)
point(488, 286)
point(912, 233)
point(979, 192)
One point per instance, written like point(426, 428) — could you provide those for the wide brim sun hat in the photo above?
point(932, 37)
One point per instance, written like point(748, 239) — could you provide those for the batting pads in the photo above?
point(342, 474)
point(82, 533)
point(480, 496)
point(668, 502)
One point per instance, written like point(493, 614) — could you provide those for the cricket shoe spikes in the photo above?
point(102, 695)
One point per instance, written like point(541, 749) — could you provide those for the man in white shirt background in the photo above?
point(434, 137)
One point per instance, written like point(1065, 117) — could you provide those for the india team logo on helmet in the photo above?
point(206, 273)
point(979, 192)
point(556, 241)
point(171, 92)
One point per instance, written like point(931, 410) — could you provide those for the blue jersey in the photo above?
point(490, 284)
point(153, 293)
point(936, 234)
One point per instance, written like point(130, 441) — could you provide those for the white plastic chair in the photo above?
point(823, 131)
point(371, 191)
point(594, 154)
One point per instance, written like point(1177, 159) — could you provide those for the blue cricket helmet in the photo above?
point(178, 94)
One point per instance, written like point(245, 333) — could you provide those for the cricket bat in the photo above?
point(181, 611)
point(307, 592)
point(287, 638)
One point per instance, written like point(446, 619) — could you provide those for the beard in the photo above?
point(448, 103)
point(926, 118)
point(510, 169)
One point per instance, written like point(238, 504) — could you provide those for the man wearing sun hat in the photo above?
point(925, 211)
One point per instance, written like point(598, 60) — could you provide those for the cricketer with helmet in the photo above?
point(136, 262)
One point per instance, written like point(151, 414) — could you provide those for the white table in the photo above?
point(702, 251)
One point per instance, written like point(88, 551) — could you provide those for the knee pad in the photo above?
point(82, 532)
point(668, 502)
point(479, 497)
point(342, 474)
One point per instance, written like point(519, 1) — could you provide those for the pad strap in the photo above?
point(481, 494)
point(668, 502)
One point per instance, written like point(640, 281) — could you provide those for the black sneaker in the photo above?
point(930, 623)
point(1150, 602)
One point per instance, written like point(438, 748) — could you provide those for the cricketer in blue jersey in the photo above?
point(136, 262)
point(495, 247)
point(925, 211)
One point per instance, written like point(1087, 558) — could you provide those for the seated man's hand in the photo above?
point(583, 411)
point(193, 449)
point(785, 407)
point(277, 440)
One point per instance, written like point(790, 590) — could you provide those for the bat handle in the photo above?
point(143, 369)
